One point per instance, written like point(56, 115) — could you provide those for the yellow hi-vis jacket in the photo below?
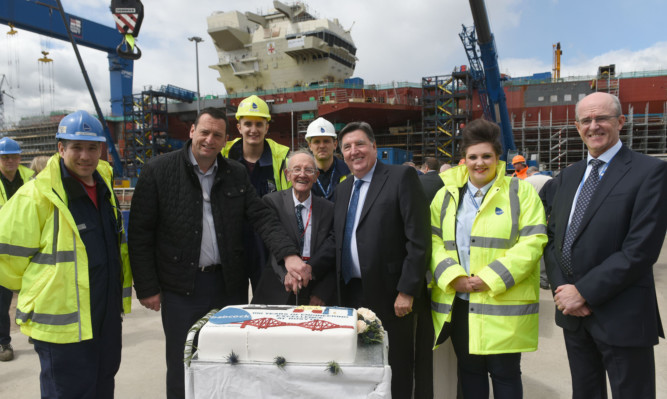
point(43, 256)
point(279, 154)
point(24, 173)
point(508, 235)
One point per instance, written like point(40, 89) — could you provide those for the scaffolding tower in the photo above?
point(446, 105)
point(147, 125)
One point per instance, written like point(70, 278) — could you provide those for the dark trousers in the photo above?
point(474, 370)
point(5, 322)
point(424, 351)
point(631, 371)
point(401, 341)
point(180, 312)
point(83, 369)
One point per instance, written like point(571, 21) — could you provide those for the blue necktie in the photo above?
point(584, 198)
point(299, 225)
point(346, 262)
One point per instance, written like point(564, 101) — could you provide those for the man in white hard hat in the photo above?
point(321, 138)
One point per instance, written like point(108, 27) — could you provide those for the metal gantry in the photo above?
point(446, 105)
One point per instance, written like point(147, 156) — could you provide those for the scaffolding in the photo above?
point(36, 139)
point(447, 102)
point(147, 125)
point(555, 144)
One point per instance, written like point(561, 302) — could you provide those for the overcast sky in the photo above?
point(396, 41)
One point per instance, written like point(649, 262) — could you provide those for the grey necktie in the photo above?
point(584, 198)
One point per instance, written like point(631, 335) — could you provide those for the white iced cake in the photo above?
point(300, 334)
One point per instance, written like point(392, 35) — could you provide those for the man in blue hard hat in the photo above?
point(12, 175)
point(62, 247)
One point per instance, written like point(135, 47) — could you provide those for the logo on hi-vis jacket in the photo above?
point(499, 211)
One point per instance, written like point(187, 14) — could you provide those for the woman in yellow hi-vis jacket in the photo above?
point(488, 234)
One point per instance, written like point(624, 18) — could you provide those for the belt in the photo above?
point(210, 268)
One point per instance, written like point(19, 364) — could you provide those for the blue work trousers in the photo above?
point(83, 369)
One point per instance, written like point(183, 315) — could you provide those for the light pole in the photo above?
point(197, 40)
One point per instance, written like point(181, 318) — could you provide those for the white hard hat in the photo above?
point(320, 127)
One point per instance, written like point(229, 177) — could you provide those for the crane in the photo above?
point(41, 17)
point(3, 93)
point(482, 54)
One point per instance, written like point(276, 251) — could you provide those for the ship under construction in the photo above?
point(303, 67)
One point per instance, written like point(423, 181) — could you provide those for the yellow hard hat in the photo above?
point(253, 106)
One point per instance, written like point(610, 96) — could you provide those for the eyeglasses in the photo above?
point(600, 119)
point(307, 171)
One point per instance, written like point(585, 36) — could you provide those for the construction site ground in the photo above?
point(142, 372)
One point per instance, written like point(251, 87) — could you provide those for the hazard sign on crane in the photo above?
point(128, 15)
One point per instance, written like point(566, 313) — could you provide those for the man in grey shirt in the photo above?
point(185, 236)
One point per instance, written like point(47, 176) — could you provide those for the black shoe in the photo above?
point(544, 284)
point(6, 353)
point(31, 341)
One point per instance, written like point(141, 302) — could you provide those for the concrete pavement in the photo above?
point(142, 371)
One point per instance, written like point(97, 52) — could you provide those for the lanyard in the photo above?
point(328, 191)
point(305, 227)
point(472, 198)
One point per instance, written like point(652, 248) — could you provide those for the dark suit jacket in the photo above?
point(431, 182)
point(618, 242)
point(270, 289)
point(393, 237)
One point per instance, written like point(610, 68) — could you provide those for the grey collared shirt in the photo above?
point(209, 253)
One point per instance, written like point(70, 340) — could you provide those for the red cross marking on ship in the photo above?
point(314, 325)
point(271, 49)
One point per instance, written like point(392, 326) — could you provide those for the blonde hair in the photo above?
point(38, 163)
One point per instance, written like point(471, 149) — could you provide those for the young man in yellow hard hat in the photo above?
point(265, 161)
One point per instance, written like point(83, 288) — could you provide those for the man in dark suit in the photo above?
point(431, 180)
point(605, 234)
point(382, 241)
point(308, 220)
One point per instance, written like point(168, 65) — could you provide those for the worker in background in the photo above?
point(520, 170)
point(10, 164)
point(265, 161)
point(431, 182)
point(321, 138)
point(185, 236)
point(537, 180)
point(445, 167)
point(430, 179)
point(62, 245)
point(39, 163)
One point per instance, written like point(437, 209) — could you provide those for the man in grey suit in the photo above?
point(606, 229)
point(308, 220)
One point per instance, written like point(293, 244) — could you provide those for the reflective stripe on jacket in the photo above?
point(24, 173)
point(506, 243)
point(279, 154)
point(42, 255)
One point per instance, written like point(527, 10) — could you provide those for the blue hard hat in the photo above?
point(9, 146)
point(80, 125)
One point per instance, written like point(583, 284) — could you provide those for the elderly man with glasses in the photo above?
point(308, 219)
